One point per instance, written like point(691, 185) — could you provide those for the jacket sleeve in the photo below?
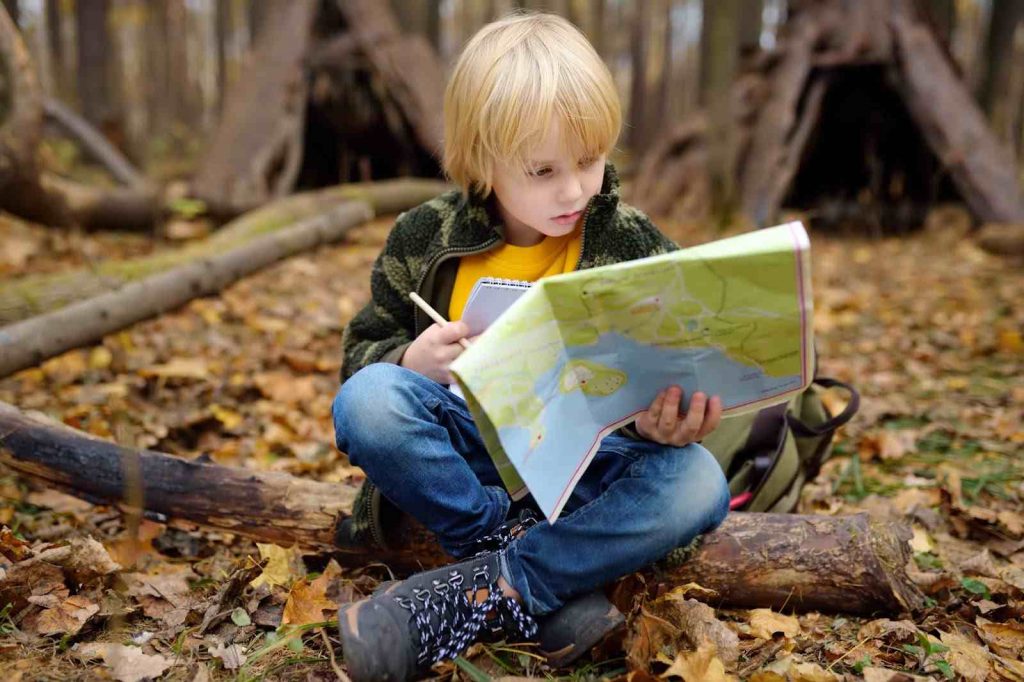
point(384, 328)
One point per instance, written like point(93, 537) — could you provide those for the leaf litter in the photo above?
point(927, 326)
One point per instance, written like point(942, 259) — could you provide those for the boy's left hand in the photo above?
point(662, 422)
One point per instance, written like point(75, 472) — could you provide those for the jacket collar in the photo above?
point(479, 222)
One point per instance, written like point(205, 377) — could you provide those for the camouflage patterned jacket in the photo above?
point(422, 255)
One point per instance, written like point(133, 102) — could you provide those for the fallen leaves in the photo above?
point(702, 665)
point(66, 617)
point(126, 663)
point(308, 601)
point(764, 623)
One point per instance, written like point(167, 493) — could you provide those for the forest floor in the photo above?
point(927, 327)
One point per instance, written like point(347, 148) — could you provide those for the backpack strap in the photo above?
point(833, 423)
point(824, 431)
point(767, 436)
point(761, 449)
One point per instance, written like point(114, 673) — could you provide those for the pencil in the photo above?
point(434, 315)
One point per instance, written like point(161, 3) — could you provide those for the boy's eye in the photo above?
point(588, 161)
point(541, 172)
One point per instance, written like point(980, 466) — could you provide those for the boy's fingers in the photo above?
point(694, 416)
point(712, 417)
point(453, 331)
point(669, 417)
point(654, 411)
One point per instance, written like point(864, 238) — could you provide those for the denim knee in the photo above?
point(698, 499)
point(365, 406)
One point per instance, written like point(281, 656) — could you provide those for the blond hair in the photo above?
point(514, 76)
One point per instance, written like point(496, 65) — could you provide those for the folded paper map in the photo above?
point(581, 354)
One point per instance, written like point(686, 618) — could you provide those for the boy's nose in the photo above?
point(572, 189)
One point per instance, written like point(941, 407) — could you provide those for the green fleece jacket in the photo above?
point(422, 255)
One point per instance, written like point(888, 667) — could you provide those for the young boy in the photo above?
point(531, 113)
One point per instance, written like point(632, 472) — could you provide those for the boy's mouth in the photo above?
point(567, 217)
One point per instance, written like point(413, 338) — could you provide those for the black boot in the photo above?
point(399, 633)
point(568, 633)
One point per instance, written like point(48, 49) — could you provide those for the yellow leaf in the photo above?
point(66, 618)
point(764, 623)
point(1010, 341)
point(308, 601)
point(810, 672)
point(696, 589)
point(1006, 639)
point(229, 418)
point(178, 368)
point(100, 358)
point(921, 542)
point(702, 665)
point(968, 659)
point(283, 565)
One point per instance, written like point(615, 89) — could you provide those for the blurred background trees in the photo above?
point(156, 78)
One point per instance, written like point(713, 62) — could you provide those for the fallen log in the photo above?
point(93, 143)
point(37, 294)
point(137, 208)
point(28, 343)
point(824, 563)
point(1002, 239)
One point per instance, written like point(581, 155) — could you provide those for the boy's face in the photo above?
point(549, 199)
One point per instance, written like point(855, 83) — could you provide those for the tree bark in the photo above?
point(257, 150)
point(722, 35)
point(39, 294)
point(94, 82)
point(20, 111)
point(953, 124)
point(94, 143)
point(28, 343)
point(824, 563)
point(639, 135)
point(12, 10)
point(408, 66)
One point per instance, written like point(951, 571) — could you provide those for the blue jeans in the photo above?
point(637, 500)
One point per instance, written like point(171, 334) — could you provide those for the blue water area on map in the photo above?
point(572, 420)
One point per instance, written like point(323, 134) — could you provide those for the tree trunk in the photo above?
point(12, 10)
point(20, 112)
point(638, 131)
point(257, 150)
point(722, 37)
point(409, 68)
point(94, 83)
point(953, 124)
point(823, 563)
point(39, 294)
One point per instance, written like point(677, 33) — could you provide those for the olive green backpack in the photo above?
point(769, 455)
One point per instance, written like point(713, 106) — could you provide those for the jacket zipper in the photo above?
point(583, 235)
point(436, 260)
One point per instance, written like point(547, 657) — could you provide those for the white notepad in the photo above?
point(489, 298)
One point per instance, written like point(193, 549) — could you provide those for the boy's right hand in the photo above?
point(435, 349)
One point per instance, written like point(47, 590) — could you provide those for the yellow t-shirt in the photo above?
point(552, 256)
